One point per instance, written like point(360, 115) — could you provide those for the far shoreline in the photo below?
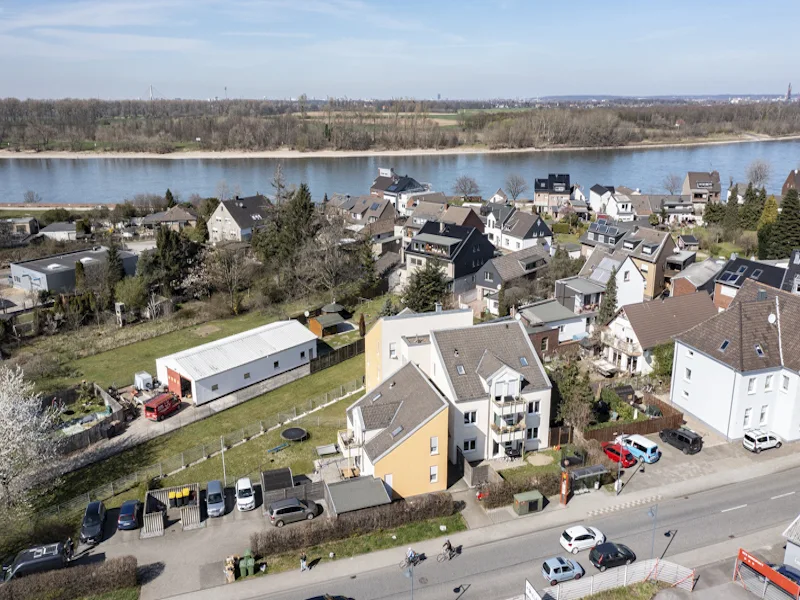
point(287, 154)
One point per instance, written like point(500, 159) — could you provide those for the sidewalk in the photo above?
point(554, 516)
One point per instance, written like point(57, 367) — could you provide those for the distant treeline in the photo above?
point(168, 125)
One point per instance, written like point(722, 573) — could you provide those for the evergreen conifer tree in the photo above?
point(608, 306)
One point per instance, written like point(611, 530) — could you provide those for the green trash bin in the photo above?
point(242, 567)
point(251, 566)
point(248, 553)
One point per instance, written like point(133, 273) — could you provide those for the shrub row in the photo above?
point(502, 493)
point(560, 228)
point(362, 522)
point(74, 582)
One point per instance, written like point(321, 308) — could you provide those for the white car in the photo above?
point(580, 538)
point(757, 440)
point(245, 494)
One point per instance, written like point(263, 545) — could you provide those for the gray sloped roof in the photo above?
point(546, 311)
point(526, 226)
point(512, 266)
point(250, 211)
point(700, 273)
point(489, 365)
point(657, 321)
point(506, 340)
point(58, 227)
point(357, 494)
point(399, 406)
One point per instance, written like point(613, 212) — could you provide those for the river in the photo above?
point(102, 180)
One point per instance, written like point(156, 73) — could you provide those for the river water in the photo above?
point(101, 180)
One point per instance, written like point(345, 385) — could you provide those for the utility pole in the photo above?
point(151, 92)
point(224, 475)
point(653, 514)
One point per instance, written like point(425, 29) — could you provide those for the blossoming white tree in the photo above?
point(27, 437)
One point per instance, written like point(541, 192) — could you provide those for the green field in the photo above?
point(209, 430)
point(126, 594)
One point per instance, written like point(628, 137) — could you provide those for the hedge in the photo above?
point(362, 522)
point(74, 582)
point(502, 493)
point(561, 228)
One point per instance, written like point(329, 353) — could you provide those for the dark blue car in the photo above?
point(129, 515)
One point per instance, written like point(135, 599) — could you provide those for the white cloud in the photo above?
point(268, 34)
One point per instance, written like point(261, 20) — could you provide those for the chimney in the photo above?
point(455, 352)
point(236, 197)
point(438, 307)
point(441, 227)
point(734, 256)
point(762, 295)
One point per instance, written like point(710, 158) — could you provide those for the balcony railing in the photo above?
point(509, 405)
point(588, 308)
point(519, 426)
point(347, 442)
point(508, 433)
point(629, 348)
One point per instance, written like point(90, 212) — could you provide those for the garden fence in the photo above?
point(334, 357)
point(302, 413)
point(671, 419)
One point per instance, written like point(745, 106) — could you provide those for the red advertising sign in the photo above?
point(771, 574)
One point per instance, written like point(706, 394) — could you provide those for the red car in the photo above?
point(619, 454)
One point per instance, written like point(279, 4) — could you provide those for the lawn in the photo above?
point(526, 471)
point(403, 536)
point(638, 591)
point(567, 238)
point(124, 594)
point(207, 431)
point(251, 457)
point(371, 310)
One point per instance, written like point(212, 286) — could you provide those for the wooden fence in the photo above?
point(560, 435)
point(338, 355)
point(314, 490)
point(671, 419)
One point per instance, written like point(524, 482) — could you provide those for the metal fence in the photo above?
point(338, 355)
point(638, 572)
point(302, 413)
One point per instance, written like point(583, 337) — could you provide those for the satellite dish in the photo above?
point(517, 316)
point(307, 314)
point(772, 318)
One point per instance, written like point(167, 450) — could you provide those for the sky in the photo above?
point(115, 49)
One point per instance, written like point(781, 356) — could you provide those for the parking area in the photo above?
point(715, 457)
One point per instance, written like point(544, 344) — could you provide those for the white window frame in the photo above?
point(434, 474)
point(471, 418)
point(393, 350)
point(473, 442)
point(785, 383)
point(687, 374)
point(690, 354)
point(763, 417)
point(747, 418)
point(768, 382)
point(626, 276)
point(751, 385)
point(434, 445)
point(685, 394)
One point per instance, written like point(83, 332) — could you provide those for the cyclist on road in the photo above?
point(447, 548)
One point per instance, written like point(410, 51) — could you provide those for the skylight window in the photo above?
point(397, 431)
point(724, 346)
point(523, 361)
point(759, 351)
point(741, 270)
point(756, 274)
point(460, 369)
point(377, 396)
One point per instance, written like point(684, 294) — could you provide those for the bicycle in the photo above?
point(407, 562)
point(445, 555)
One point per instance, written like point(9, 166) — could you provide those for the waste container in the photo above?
point(172, 500)
point(251, 565)
point(242, 567)
point(528, 502)
point(179, 498)
point(186, 496)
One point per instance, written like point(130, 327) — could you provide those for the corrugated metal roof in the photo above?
point(230, 352)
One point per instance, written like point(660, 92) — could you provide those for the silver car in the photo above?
point(757, 440)
point(215, 499)
point(559, 569)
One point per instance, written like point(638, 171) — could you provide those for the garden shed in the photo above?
point(355, 494)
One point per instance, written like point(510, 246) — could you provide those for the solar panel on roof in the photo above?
point(602, 228)
point(613, 230)
point(601, 221)
point(374, 206)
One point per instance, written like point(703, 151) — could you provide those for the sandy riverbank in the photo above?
point(292, 154)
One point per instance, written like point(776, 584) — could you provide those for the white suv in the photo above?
point(757, 440)
point(245, 495)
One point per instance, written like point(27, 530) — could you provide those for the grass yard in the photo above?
point(567, 238)
point(638, 591)
point(251, 457)
point(404, 536)
point(124, 594)
point(526, 471)
point(370, 309)
point(208, 430)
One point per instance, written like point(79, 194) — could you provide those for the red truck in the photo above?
point(161, 406)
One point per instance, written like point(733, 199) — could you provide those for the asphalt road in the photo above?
point(498, 570)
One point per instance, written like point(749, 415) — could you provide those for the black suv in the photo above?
point(609, 554)
point(685, 440)
point(94, 522)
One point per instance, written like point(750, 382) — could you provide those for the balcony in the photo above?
point(348, 445)
point(587, 308)
point(629, 348)
point(508, 433)
point(508, 405)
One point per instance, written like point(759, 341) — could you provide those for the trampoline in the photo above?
point(294, 434)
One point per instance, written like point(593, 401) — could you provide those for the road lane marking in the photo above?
point(782, 495)
point(734, 508)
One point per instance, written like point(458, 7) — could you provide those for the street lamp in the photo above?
point(653, 514)
point(618, 482)
point(409, 572)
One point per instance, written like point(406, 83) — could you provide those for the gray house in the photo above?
point(57, 273)
point(236, 220)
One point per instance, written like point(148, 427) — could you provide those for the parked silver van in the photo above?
point(215, 499)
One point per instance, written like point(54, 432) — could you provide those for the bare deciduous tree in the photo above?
point(516, 185)
point(223, 192)
point(26, 431)
point(672, 183)
point(466, 186)
point(325, 262)
point(758, 172)
point(230, 271)
point(31, 197)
